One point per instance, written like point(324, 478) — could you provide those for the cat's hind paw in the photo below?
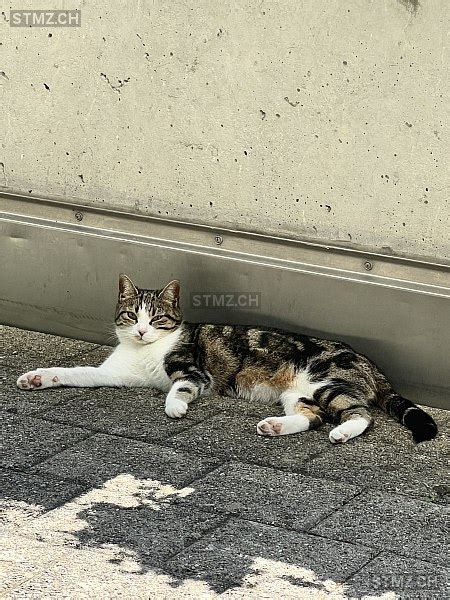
point(271, 426)
point(39, 379)
point(348, 430)
point(338, 437)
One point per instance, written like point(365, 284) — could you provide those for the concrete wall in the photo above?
point(318, 119)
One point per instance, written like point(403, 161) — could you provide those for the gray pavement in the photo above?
point(103, 496)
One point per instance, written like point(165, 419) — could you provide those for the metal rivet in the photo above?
point(368, 265)
point(218, 239)
point(79, 216)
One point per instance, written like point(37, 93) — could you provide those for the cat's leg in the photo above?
point(346, 401)
point(40, 379)
point(352, 414)
point(301, 415)
point(186, 387)
point(114, 372)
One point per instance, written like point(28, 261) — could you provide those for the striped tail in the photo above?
point(422, 426)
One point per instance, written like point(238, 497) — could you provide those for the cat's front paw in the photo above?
point(176, 408)
point(270, 426)
point(38, 380)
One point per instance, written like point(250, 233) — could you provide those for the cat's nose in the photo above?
point(142, 330)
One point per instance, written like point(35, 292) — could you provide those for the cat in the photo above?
point(314, 379)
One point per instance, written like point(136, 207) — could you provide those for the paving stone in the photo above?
point(93, 358)
point(235, 438)
point(389, 431)
point(151, 536)
point(206, 407)
point(271, 580)
point(269, 496)
point(26, 441)
point(28, 495)
point(134, 413)
point(99, 511)
point(29, 402)
point(391, 522)
point(21, 559)
point(140, 517)
point(34, 570)
point(416, 471)
point(442, 418)
point(229, 555)
point(26, 350)
point(214, 404)
point(409, 579)
point(101, 457)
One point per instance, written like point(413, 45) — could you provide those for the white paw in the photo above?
point(348, 430)
point(270, 426)
point(38, 380)
point(176, 408)
point(337, 436)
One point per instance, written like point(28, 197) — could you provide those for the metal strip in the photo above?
point(317, 269)
point(333, 261)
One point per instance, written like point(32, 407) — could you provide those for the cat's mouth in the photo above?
point(142, 342)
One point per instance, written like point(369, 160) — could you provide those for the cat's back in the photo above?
point(257, 338)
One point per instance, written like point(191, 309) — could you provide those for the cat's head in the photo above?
point(144, 316)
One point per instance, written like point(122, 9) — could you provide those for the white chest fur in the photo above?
point(143, 365)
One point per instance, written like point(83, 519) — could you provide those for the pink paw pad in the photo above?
point(271, 427)
point(35, 380)
point(38, 379)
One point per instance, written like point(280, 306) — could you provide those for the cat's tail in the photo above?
point(420, 423)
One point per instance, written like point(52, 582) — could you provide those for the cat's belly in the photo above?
point(269, 390)
point(262, 392)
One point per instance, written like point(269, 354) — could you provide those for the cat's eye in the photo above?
point(131, 315)
point(160, 322)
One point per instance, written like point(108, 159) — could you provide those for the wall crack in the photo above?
point(5, 178)
point(294, 104)
point(115, 88)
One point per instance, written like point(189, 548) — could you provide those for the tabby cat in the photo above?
point(314, 379)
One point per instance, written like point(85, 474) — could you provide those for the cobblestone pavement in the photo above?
point(103, 496)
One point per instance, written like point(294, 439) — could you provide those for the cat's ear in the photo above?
point(126, 287)
point(171, 293)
